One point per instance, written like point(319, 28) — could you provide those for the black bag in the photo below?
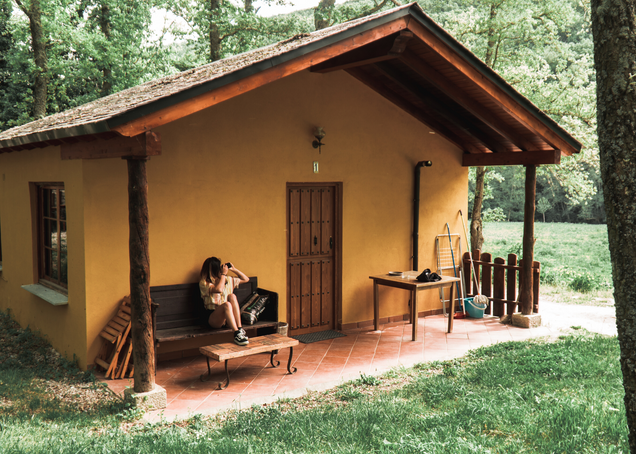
point(250, 313)
point(427, 276)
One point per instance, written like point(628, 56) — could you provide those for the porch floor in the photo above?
point(322, 365)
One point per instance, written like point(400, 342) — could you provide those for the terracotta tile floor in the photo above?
point(320, 365)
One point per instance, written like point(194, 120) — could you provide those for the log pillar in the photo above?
point(528, 240)
point(141, 316)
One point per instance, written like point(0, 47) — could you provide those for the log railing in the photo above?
point(498, 281)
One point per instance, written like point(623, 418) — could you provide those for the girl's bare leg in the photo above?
point(235, 309)
point(221, 314)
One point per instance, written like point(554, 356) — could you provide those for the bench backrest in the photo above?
point(181, 305)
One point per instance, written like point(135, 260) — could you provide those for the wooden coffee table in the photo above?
point(270, 343)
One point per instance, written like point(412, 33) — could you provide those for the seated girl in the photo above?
point(218, 298)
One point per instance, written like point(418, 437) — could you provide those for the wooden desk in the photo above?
point(408, 282)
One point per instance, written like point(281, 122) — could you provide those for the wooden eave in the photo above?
point(403, 56)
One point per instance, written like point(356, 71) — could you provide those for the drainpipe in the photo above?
point(416, 212)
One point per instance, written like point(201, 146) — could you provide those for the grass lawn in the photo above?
point(575, 259)
point(563, 396)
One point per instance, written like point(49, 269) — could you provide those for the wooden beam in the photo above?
point(491, 89)
point(512, 159)
point(409, 108)
point(527, 289)
point(231, 90)
point(467, 102)
point(140, 310)
point(144, 145)
point(442, 109)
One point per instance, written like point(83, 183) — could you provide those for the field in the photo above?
point(575, 258)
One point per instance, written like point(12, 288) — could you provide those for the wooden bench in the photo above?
point(270, 343)
point(178, 312)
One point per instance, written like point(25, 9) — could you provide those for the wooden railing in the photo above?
point(499, 281)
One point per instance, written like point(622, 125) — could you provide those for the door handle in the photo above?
point(330, 242)
point(315, 240)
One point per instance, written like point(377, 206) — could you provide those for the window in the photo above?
point(52, 253)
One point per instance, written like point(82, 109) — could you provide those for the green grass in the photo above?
point(575, 258)
point(563, 396)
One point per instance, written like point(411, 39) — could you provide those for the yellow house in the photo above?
point(232, 171)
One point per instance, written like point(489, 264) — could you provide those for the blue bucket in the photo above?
point(473, 309)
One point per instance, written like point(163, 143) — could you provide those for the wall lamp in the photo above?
point(319, 134)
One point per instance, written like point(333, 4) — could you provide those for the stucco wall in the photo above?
point(63, 326)
point(219, 188)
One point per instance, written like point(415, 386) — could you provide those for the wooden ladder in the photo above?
point(117, 340)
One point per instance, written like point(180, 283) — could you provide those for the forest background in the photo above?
point(58, 54)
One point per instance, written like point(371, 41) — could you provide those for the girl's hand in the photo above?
point(224, 269)
point(230, 265)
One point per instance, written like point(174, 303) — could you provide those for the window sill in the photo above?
point(48, 295)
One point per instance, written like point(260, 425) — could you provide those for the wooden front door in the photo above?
point(311, 257)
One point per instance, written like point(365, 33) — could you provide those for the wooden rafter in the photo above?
point(385, 49)
point(490, 89)
point(441, 109)
point(409, 108)
point(143, 145)
point(213, 97)
point(509, 159)
point(467, 102)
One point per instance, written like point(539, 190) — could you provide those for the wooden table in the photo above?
point(270, 343)
point(408, 282)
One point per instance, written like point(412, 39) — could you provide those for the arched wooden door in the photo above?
point(312, 269)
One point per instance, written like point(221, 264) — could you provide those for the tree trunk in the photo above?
point(41, 79)
point(249, 6)
point(476, 232)
point(104, 22)
point(614, 30)
point(322, 14)
point(141, 315)
point(527, 290)
point(215, 35)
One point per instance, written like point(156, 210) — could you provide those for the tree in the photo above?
point(543, 49)
point(33, 11)
point(614, 30)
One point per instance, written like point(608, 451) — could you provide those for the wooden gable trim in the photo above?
point(211, 98)
point(491, 89)
point(409, 108)
point(512, 159)
point(443, 84)
point(141, 146)
point(468, 127)
point(372, 53)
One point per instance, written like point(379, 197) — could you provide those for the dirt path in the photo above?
point(600, 320)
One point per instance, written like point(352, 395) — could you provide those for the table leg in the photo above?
point(289, 368)
point(451, 314)
point(414, 307)
point(376, 307)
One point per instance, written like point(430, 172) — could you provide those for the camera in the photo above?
point(228, 264)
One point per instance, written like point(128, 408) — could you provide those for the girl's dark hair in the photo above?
point(211, 268)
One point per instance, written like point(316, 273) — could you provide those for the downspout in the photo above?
point(416, 212)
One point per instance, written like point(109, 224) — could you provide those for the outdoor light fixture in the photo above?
point(319, 134)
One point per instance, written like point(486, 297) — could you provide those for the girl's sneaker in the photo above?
point(240, 338)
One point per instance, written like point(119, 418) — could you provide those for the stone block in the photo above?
point(151, 400)
point(526, 321)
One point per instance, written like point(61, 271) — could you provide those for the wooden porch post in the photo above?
point(143, 344)
point(528, 239)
